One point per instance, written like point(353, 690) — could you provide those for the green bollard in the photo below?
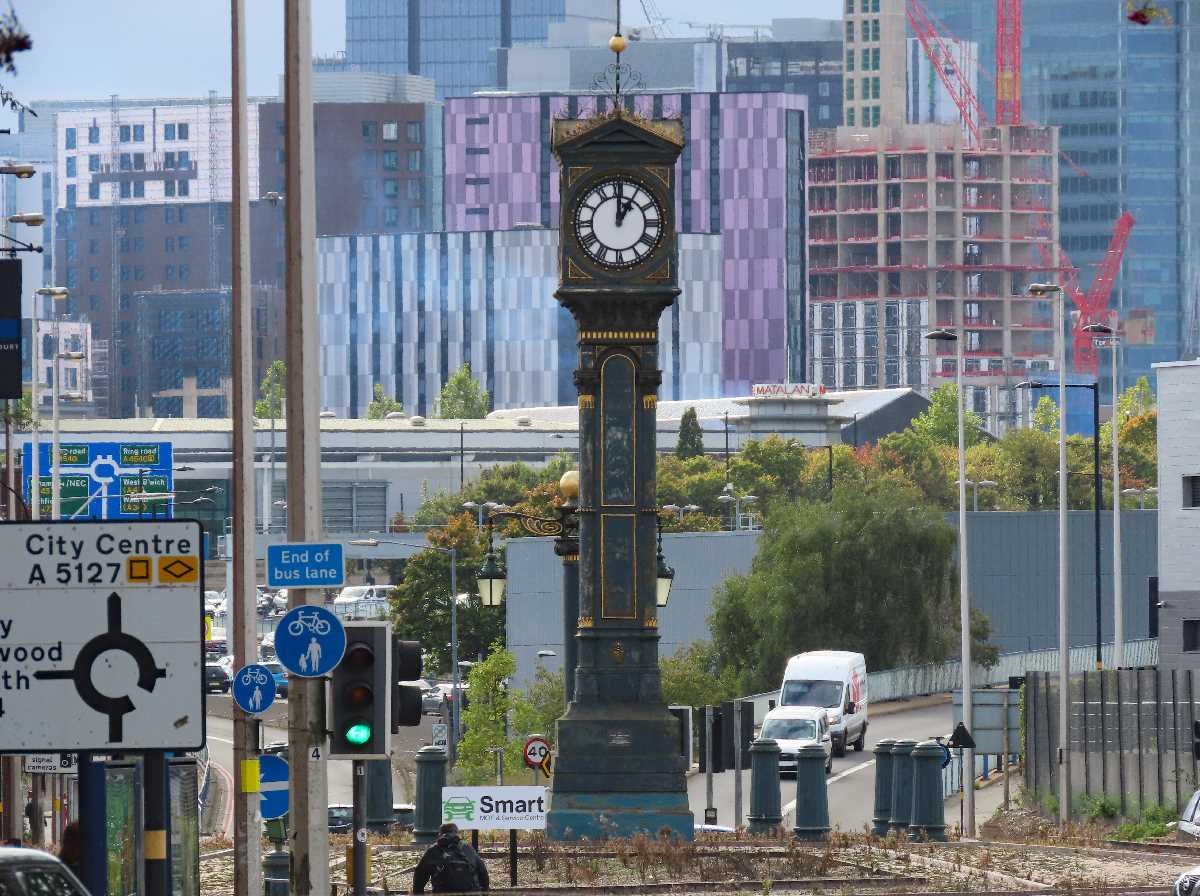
point(431, 778)
point(901, 785)
point(276, 870)
point(882, 816)
point(927, 820)
point(812, 798)
point(765, 810)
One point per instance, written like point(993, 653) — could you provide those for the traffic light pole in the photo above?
point(359, 846)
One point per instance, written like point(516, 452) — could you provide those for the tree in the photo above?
point(491, 702)
point(983, 653)
point(382, 405)
point(462, 397)
point(691, 437)
point(691, 677)
point(543, 704)
point(421, 602)
point(1045, 416)
point(273, 389)
point(20, 412)
point(868, 571)
point(939, 422)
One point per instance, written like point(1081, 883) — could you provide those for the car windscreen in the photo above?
point(341, 814)
point(48, 881)
point(355, 592)
point(790, 729)
point(801, 692)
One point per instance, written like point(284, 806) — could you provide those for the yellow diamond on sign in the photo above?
point(172, 570)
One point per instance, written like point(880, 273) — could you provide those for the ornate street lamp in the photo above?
point(665, 574)
point(492, 576)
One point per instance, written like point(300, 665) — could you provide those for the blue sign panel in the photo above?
point(305, 565)
point(272, 786)
point(310, 641)
point(254, 688)
point(105, 480)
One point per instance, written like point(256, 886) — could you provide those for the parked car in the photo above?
point(793, 727)
point(31, 872)
point(1189, 820)
point(215, 679)
point(433, 701)
point(404, 816)
point(1188, 883)
point(362, 601)
point(276, 748)
point(836, 681)
point(341, 818)
point(280, 675)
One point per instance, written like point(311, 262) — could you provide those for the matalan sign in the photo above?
point(786, 390)
point(101, 636)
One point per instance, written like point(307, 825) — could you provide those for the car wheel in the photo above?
point(829, 766)
point(839, 746)
point(861, 743)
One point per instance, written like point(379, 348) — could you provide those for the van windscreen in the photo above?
point(797, 692)
point(790, 729)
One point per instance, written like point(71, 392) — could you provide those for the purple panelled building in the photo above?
point(741, 176)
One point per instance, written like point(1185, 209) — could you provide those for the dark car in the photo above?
point(404, 816)
point(277, 748)
point(31, 872)
point(341, 819)
point(215, 679)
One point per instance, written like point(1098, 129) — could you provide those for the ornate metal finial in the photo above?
point(610, 80)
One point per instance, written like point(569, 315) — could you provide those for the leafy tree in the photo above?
point(543, 704)
point(382, 405)
point(273, 389)
point(1028, 460)
point(1139, 450)
point(867, 572)
point(912, 457)
point(1045, 415)
point(462, 397)
point(939, 422)
point(691, 437)
point(491, 702)
point(983, 653)
point(1135, 401)
point(691, 677)
point(421, 602)
point(20, 412)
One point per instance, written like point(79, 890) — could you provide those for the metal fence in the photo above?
point(1130, 737)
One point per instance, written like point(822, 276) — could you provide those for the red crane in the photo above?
point(1008, 61)
point(1092, 307)
point(941, 58)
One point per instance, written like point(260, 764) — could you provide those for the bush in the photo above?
point(1152, 824)
point(1094, 808)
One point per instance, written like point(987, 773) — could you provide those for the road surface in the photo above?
point(852, 784)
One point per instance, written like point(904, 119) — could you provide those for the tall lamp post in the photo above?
point(1141, 494)
point(58, 294)
point(964, 599)
point(728, 497)
point(1103, 336)
point(1042, 290)
point(975, 487)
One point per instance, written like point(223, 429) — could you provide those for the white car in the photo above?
point(1188, 883)
point(793, 727)
point(836, 681)
point(363, 601)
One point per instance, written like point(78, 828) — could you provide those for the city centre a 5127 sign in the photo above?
point(101, 636)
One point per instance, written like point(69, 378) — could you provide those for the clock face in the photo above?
point(618, 222)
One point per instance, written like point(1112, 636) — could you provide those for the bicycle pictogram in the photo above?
point(308, 622)
point(255, 676)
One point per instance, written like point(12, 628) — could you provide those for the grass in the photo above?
point(1151, 824)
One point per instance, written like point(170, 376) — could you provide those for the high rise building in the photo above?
point(460, 44)
point(1121, 95)
point(875, 65)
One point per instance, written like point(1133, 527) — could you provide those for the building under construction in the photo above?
point(918, 226)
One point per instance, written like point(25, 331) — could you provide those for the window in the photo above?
point(391, 188)
point(850, 6)
point(182, 214)
point(415, 190)
point(849, 60)
point(1191, 491)
point(93, 275)
point(168, 132)
point(414, 159)
point(70, 166)
point(168, 214)
point(70, 195)
point(866, 60)
point(1191, 635)
point(875, 60)
point(874, 29)
point(184, 271)
point(70, 138)
point(391, 160)
point(139, 133)
point(182, 131)
point(874, 116)
point(168, 159)
point(849, 32)
point(412, 131)
point(94, 134)
point(168, 190)
point(139, 189)
point(169, 244)
point(93, 247)
point(823, 113)
point(139, 161)
point(181, 160)
point(93, 162)
point(185, 243)
point(126, 132)
point(183, 188)
point(391, 216)
point(849, 89)
point(850, 116)
point(875, 88)
point(823, 89)
point(126, 161)
point(391, 131)
point(369, 131)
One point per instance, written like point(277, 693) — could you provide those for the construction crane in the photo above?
point(655, 19)
point(942, 59)
point(1008, 61)
point(716, 30)
point(1092, 306)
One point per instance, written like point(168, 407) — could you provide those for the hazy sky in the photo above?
point(85, 48)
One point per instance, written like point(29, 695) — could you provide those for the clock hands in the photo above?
point(622, 211)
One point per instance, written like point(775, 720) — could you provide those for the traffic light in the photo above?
point(359, 692)
point(406, 698)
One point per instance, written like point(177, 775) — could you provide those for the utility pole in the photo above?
point(308, 790)
point(247, 840)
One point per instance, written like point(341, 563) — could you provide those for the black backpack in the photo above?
point(454, 873)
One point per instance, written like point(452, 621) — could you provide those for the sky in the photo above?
point(175, 48)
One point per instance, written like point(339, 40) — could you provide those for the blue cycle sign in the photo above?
point(254, 688)
point(310, 641)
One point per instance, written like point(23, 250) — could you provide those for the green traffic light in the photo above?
point(358, 734)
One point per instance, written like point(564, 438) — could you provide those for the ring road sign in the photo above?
point(305, 565)
point(310, 641)
point(537, 752)
point(254, 688)
point(272, 786)
point(100, 636)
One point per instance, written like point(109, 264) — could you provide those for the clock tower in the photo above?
point(619, 769)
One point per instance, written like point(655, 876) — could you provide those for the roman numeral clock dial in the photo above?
point(618, 223)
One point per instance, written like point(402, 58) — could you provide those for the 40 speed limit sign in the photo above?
point(537, 754)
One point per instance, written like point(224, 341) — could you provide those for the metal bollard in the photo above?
point(901, 785)
point(882, 817)
point(431, 778)
point(275, 872)
point(812, 798)
point(927, 820)
point(765, 811)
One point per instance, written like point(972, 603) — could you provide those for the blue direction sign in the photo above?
point(310, 641)
point(254, 688)
point(272, 786)
point(101, 480)
point(305, 565)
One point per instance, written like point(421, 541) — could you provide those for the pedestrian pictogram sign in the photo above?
point(92, 657)
point(310, 641)
point(272, 786)
point(254, 688)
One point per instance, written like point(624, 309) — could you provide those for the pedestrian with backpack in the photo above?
point(450, 865)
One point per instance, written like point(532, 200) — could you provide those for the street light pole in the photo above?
point(1106, 338)
point(1098, 487)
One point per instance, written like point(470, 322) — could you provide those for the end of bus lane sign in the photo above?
point(305, 565)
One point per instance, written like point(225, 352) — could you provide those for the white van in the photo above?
point(793, 727)
point(835, 680)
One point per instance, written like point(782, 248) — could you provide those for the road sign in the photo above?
point(98, 478)
point(305, 565)
point(272, 786)
point(497, 807)
point(51, 764)
point(441, 734)
point(254, 688)
point(100, 636)
point(310, 641)
point(537, 753)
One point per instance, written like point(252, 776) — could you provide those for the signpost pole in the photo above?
point(94, 856)
point(737, 764)
point(708, 760)
point(11, 765)
point(154, 837)
point(359, 846)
